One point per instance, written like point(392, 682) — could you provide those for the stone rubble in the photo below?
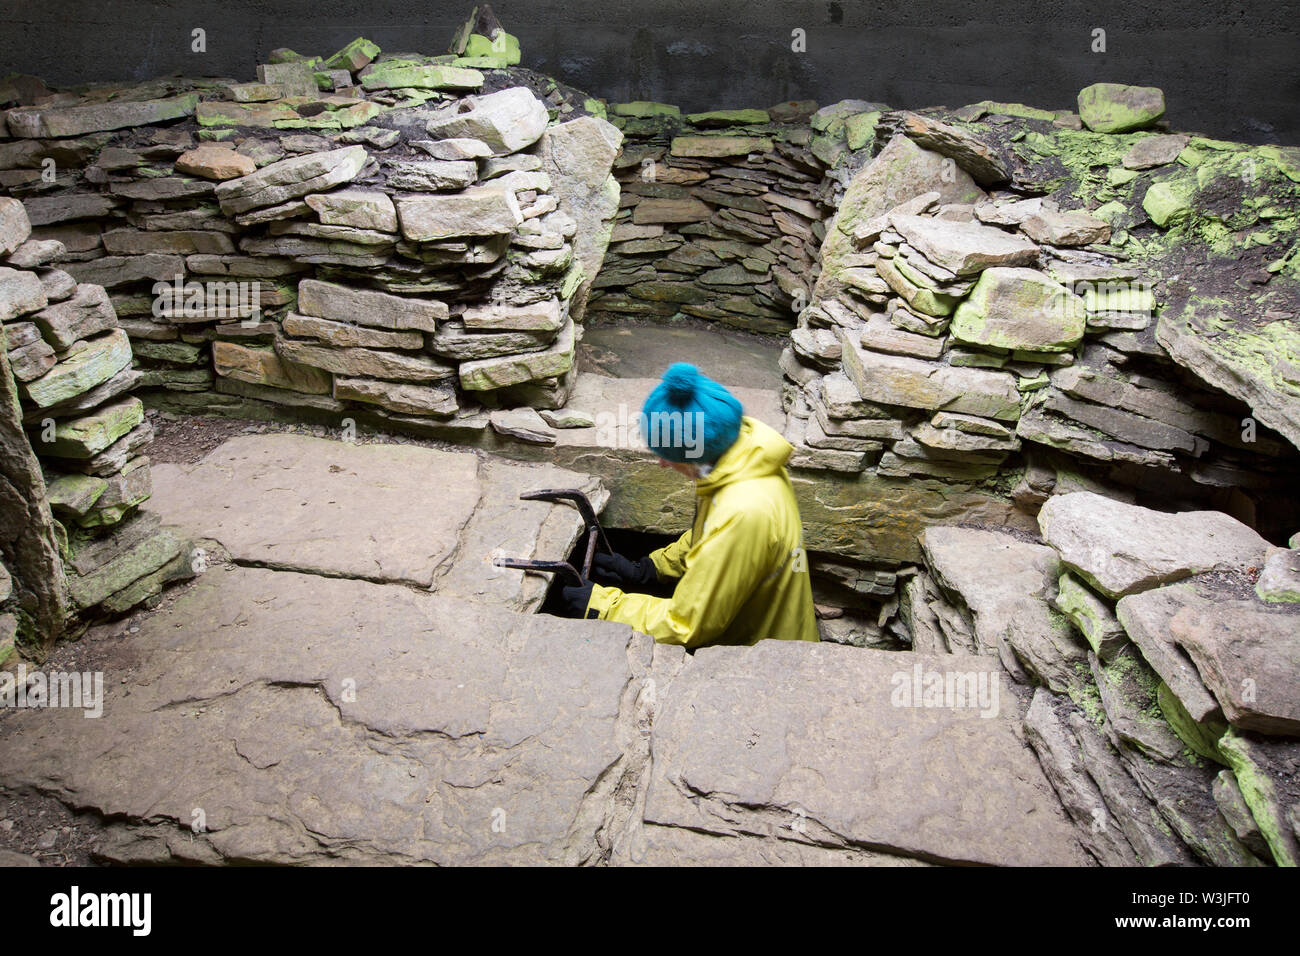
point(1171, 736)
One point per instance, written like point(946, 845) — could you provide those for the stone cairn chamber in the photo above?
point(1041, 367)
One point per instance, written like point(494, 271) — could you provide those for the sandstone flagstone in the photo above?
point(1091, 615)
point(545, 316)
point(748, 739)
point(87, 435)
point(98, 360)
point(35, 253)
point(365, 362)
point(433, 175)
point(427, 670)
point(477, 211)
point(914, 383)
point(976, 157)
point(523, 423)
point(507, 370)
point(20, 293)
point(964, 248)
point(1279, 582)
point(1122, 548)
point(215, 162)
point(361, 208)
point(399, 74)
point(1115, 820)
point(1014, 308)
point(14, 225)
point(115, 271)
point(260, 365)
point(577, 156)
point(507, 120)
point(1267, 770)
point(1248, 654)
point(1007, 584)
point(76, 120)
point(347, 335)
point(454, 341)
point(417, 502)
point(1146, 618)
point(1074, 228)
point(398, 397)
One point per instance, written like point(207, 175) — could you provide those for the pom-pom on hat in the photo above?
point(690, 418)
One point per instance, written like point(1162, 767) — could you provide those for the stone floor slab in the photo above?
point(380, 512)
point(806, 743)
point(311, 720)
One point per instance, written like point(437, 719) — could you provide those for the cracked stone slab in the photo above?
point(805, 744)
point(504, 526)
point(675, 846)
point(379, 512)
point(321, 720)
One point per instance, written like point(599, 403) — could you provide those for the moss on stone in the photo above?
point(504, 47)
point(860, 129)
point(1019, 110)
point(1085, 694)
point(642, 109)
point(747, 117)
point(1088, 159)
point(1169, 202)
point(1260, 796)
point(1200, 738)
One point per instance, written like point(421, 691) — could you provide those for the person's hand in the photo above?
point(625, 574)
point(575, 598)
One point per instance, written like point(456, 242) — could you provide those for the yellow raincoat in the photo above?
point(742, 568)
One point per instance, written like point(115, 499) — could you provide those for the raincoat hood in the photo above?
point(758, 450)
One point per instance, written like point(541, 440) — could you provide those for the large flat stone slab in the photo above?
point(297, 719)
point(915, 383)
point(806, 744)
point(305, 720)
point(379, 512)
point(1122, 548)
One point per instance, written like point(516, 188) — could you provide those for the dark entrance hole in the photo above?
point(630, 544)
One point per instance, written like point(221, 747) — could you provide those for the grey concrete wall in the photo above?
point(1228, 69)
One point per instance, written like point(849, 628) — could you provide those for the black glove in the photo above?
point(575, 598)
point(626, 575)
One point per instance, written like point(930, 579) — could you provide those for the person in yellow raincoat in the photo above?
point(741, 572)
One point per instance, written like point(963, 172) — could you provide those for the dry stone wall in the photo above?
point(721, 216)
point(984, 306)
point(975, 322)
point(404, 236)
point(76, 450)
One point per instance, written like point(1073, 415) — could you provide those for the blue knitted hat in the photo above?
point(690, 418)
